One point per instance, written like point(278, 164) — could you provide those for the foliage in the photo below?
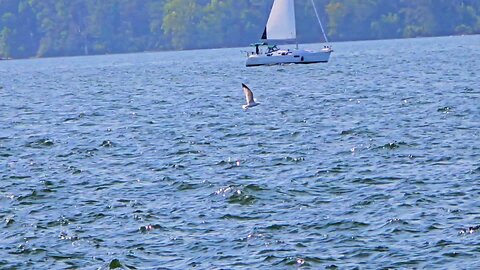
point(38, 28)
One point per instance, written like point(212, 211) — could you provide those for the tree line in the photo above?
point(42, 28)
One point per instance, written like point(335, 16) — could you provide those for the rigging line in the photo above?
point(319, 21)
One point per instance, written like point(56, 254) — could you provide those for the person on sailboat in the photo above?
point(272, 48)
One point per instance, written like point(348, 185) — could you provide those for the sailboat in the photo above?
point(281, 27)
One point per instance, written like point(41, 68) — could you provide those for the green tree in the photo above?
point(180, 22)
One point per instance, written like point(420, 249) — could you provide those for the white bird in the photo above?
point(249, 97)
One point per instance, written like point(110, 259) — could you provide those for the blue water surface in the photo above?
point(371, 161)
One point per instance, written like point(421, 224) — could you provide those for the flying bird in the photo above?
point(249, 97)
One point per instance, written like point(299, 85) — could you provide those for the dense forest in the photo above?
point(39, 28)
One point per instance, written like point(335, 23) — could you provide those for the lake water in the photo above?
point(147, 160)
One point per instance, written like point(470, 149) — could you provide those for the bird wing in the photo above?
point(248, 94)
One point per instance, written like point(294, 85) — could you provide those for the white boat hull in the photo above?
point(289, 57)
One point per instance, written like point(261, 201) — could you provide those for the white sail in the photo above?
point(281, 22)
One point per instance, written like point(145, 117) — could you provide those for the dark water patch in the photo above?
point(107, 144)
point(150, 227)
point(454, 194)
point(275, 128)
point(74, 170)
point(19, 177)
point(471, 91)
point(75, 118)
point(408, 263)
point(345, 225)
point(179, 142)
point(254, 188)
point(5, 152)
point(392, 146)
point(476, 171)
point(185, 152)
point(41, 143)
point(240, 217)
point(62, 256)
point(85, 152)
point(66, 236)
point(175, 166)
point(396, 221)
point(114, 264)
point(376, 181)
point(338, 169)
point(88, 124)
point(184, 186)
point(300, 262)
point(470, 230)
point(444, 243)
point(127, 201)
point(9, 221)
point(347, 132)
point(243, 195)
point(381, 249)
point(241, 198)
point(445, 109)
point(400, 226)
point(24, 249)
point(439, 160)
point(425, 201)
point(230, 163)
point(31, 197)
point(61, 221)
point(236, 135)
point(371, 199)
point(455, 254)
point(432, 227)
point(276, 227)
point(290, 159)
point(90, 202)
point(359, 131)
point(66, 155)
point(361, 254)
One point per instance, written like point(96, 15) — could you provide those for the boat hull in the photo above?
point(288, 57)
